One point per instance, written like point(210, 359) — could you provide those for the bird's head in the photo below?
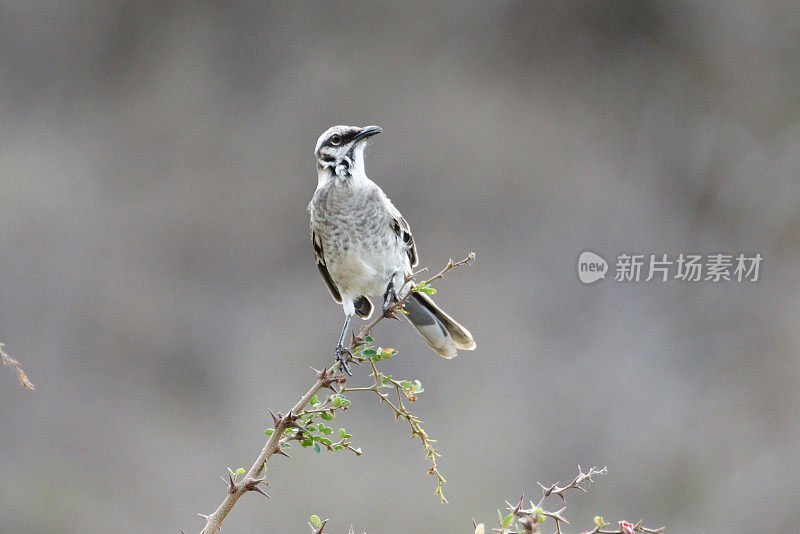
point(340, 150)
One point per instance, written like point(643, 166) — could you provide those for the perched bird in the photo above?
point(363, 246)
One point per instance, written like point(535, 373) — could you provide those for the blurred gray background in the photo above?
point(158, 282)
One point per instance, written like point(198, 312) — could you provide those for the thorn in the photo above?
point(290, 418)
point(474, 523)
point(259, 490)
point(320, 374)
point(204, 516)
point(328, 382)
point(319, 529)
point(282, 452)
point(275, 419)
point(232, 486)
point(557, 515)
point(519, 504)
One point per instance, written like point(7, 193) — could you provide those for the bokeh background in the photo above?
point(157, 281)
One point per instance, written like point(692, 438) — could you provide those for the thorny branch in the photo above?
point(527, 521)
point(23, 378)
point(326, 378)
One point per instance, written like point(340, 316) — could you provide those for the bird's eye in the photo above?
point(336, 139)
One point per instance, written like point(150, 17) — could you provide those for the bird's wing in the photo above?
point(323, 269)
point(403, 231)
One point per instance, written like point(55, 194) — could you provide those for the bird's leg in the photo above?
point(341, 350)
point(389, 299)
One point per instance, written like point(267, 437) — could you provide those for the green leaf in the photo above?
point(369, 353)
point(599, 521)
point(306, 443)
point(324, 441)
point(507, 520)
point(269, 431)
point(315, 520)
point(241, 471)
point(337, 401)
point(326, 416)
point(338, 447)
point(313, 400)
point(368, 339)
point(316, 447)
point(342, 433)
point(327, 430)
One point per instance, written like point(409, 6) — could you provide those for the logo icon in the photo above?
point(591, 267)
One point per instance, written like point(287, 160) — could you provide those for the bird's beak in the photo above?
point(368, 131)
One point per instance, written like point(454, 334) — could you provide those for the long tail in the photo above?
point(443, 333)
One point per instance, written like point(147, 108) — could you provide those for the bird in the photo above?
point(363, 246)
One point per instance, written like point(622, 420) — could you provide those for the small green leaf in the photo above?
point(337, 401)
point(316, 447)
point(338, 447)
point(342, 433)
point(326, 416)
point(324, 441)
point(368, 339)
point(306, 443)
point(369, 353)
point(313, 400)
point(540, 518)
point(286, 445)
point(315, 520)
point(269, 431)
point(599, 521)
point(241, 471)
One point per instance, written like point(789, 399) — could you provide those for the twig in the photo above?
point(400, 411)
point(527, 521)
point(23, 378)
point(325, 379)
point(251, 480)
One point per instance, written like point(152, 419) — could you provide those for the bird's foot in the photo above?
point(343, 355)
